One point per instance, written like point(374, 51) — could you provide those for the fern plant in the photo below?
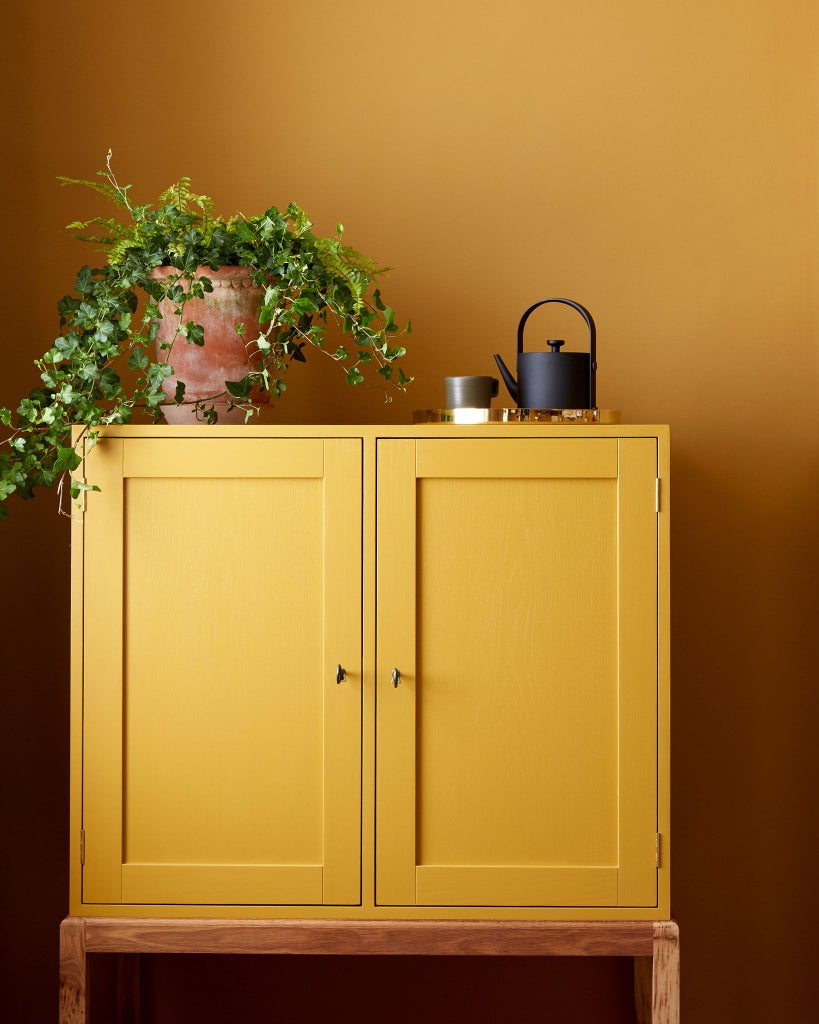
point(112, 319)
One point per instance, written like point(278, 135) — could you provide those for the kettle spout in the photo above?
point(508, 379)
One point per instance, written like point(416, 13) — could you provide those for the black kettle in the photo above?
point(554, 379)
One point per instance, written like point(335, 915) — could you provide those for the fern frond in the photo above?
point(184, 198)
point(348, 263)
point(113, 195)
point(104, 240)
point(178, 194)
point(112, 231)
point(102, 222)
point(119, 247)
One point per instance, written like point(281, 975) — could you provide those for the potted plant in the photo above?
point(170, 272)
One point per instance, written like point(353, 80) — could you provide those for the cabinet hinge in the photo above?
point(657, 848)
point(657, 495)
point(82, 846)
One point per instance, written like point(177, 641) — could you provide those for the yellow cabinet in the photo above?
point(372, 672)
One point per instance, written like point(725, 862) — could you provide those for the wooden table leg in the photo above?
point(643, 987)
point(657, 978)
point(666, 973)
point(73, 973)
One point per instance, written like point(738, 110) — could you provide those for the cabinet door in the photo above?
point(221, 758)
point(517, 590)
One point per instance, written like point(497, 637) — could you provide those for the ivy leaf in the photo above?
point(77, 487)
point(354, 376)
point(67, 458)
point(84, 281)
point(109, 382)
point(157, 372)
point(138, 359)
point(305, 305)
point(239, 389)
point(179, 394)
point(194, 333)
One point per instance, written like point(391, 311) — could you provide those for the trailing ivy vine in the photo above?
point(112, 319)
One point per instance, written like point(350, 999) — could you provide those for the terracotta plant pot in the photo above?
point(235, 300)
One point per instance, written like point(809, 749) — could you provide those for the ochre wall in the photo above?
point(655, 160)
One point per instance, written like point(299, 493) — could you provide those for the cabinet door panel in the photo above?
point(212, 720)
point(531, 783)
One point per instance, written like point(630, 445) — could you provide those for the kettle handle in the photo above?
point(592, 340)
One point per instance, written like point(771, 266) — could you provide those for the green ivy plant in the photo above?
point(112, 319)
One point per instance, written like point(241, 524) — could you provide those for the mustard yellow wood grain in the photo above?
point(204, 884)
point(220, 762)
point(517, 708)
point(637, 602)
point(517, 719)
point(395, 651)
point(341, 854)
point(527, 869)
point(224, 457)
point(102, 644)
point(223, 705)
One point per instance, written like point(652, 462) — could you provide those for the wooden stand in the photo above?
point(654, 945)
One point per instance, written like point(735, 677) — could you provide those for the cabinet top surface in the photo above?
point(377, 431)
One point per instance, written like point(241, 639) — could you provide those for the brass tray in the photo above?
point(469, 415)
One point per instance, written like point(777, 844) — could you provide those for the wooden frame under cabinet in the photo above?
point(654, 946)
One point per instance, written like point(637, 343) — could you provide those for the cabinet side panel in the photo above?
point(637, 880)
point(664, 683)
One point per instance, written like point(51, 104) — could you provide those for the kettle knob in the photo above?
point(555, 346)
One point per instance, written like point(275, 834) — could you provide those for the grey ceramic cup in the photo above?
point(470, 392)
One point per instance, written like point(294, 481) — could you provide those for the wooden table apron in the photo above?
point(654, 945)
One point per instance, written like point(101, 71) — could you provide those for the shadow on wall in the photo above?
point(371, 990)
point(745, 558)
point(34, 599)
